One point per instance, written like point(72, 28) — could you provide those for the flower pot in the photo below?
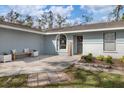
point(6, 58)
point(35, 53)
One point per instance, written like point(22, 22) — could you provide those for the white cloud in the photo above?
point(98, 8)
point(63, 11)
point(33, 10)
point(100, 12)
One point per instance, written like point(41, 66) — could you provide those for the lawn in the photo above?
point(13, 81)
point(80, 79)
point(91, 79)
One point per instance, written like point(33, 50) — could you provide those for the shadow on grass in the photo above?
point(15, 81)
point(84, 78)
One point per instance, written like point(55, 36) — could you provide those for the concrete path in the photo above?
point(43, 63)
point(42, 79)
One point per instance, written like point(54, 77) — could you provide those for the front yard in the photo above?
point(13, 81)
point(80, 79)
point(91, 79)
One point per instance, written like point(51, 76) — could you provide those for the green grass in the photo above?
point(13, 81)
point(89, 79)
point(80, 79)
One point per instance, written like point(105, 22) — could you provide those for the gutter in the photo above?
point(64, 32)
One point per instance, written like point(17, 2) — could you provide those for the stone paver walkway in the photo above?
point(45, 78)
point(42, 63)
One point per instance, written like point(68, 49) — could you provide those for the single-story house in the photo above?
point(99, 39)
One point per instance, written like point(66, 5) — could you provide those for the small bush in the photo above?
point(122, 59)
point(88, 58)
point(90, 54)
point(100, 58)
point(108, 60)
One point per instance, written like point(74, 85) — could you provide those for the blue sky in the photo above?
point(74, 12)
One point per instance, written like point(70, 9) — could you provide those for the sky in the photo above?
point(73, 12)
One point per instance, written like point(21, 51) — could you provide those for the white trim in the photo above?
point(90, 30)
point(58, 47)
point(64, 32)
point(110, 51)
point(21, 29)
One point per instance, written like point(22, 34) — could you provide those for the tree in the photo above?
point(50, 19)
point(29, 21)
point(116, 13)
point(2, 18)
point(12, 16)
point(46, 19)
point(87, 16)
point(42, 21)
point(122, 17)
point(60, 20)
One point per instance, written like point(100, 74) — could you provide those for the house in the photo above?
point(99, 39)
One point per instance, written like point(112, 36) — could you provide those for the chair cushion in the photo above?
point(26, 50)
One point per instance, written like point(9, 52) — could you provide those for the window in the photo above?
point(62, 41)
point(110, 41)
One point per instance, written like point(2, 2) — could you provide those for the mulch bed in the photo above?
point(117, 64)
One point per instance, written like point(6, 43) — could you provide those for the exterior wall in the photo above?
point(51, 45)
point(93, 43)
point(12, 39)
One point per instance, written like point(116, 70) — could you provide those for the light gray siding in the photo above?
point(50, 45)
point(13, 39)
point(93, 43)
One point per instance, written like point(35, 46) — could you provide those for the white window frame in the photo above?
point(105, 41)
point(58, 42)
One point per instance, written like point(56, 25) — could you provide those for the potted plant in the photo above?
point(35, 53)
point(5, 57)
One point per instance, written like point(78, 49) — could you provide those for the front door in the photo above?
point(79, 44)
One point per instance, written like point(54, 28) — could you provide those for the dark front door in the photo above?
point(79, 44)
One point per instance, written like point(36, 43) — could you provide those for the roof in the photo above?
point(74, 29)
point(19, 25)
point(90, 26)
point(7, 25)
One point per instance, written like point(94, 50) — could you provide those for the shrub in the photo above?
point(108, 60)
point(100, 58)
point(88, 58)
point(90, 54)
point(122, 59)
